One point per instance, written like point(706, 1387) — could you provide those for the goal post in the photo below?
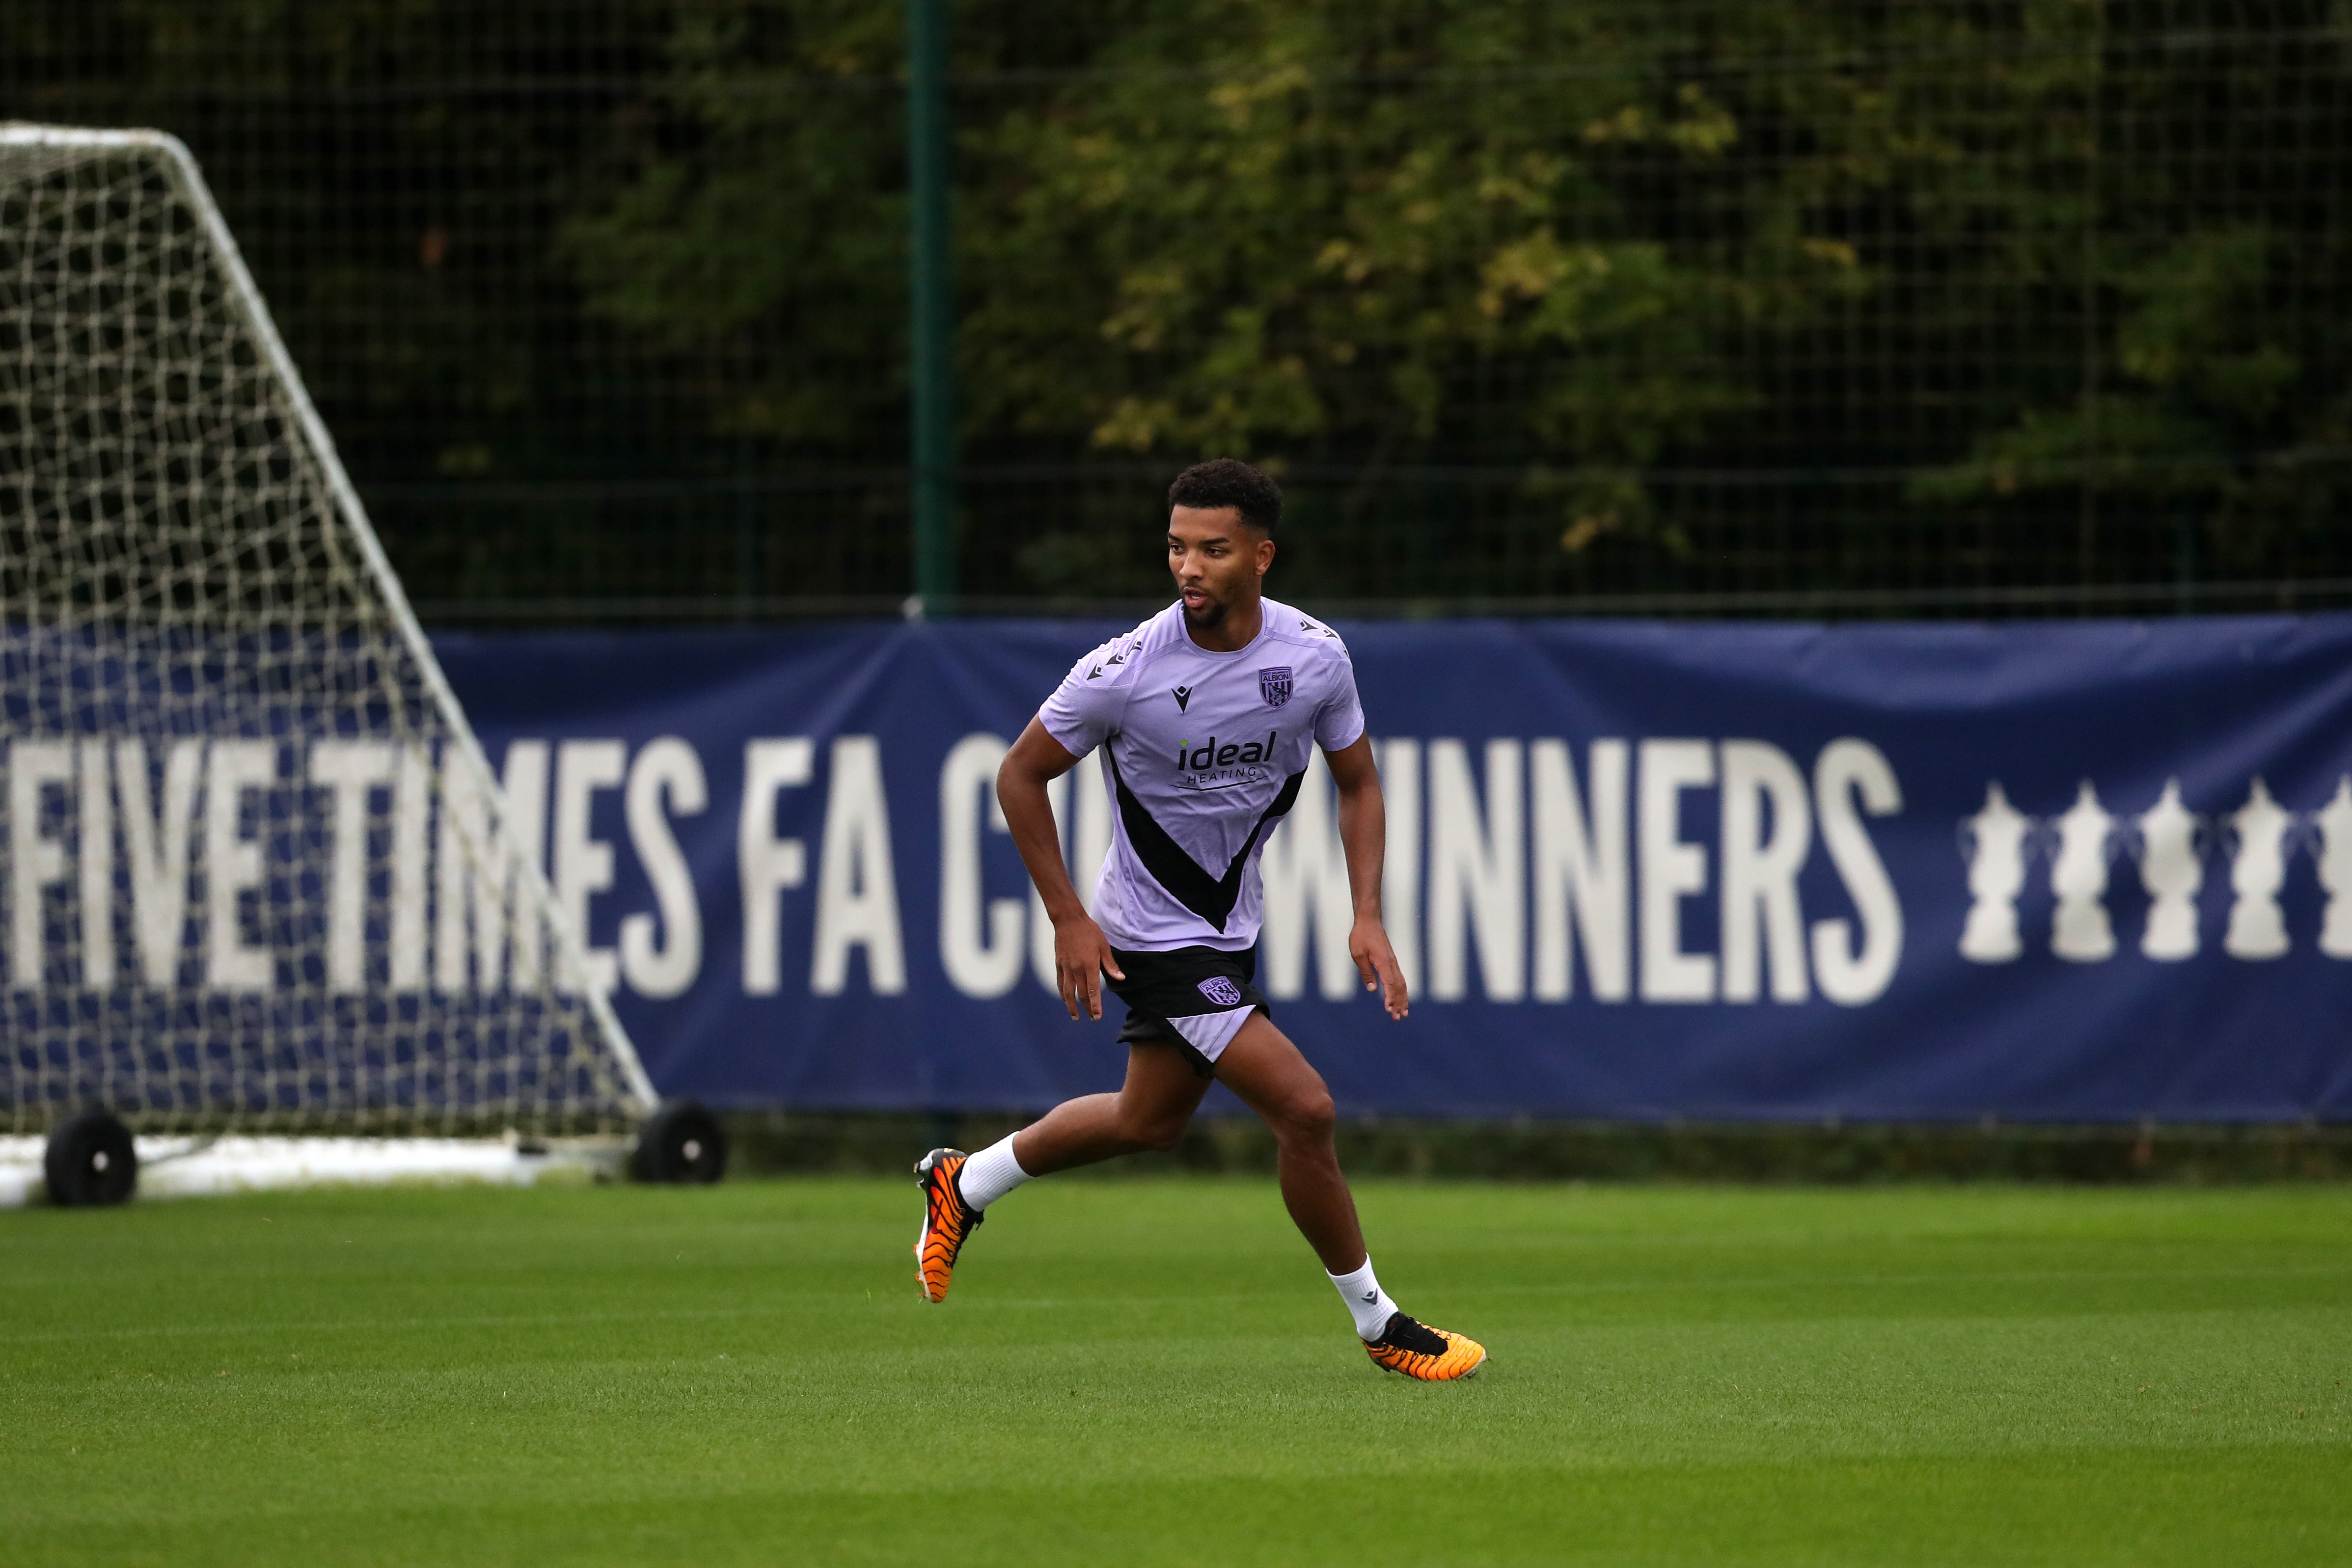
point(255, 872)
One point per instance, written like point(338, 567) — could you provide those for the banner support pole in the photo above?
point(931, 309)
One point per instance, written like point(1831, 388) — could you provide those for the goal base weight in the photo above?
point(682, 1145)
point(90, 1162)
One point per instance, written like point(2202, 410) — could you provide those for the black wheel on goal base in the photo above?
point(90, 1162)
point(682, 1144)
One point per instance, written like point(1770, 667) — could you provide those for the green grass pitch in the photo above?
point(1146, 1372)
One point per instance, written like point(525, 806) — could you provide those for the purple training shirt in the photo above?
point(1203, 753)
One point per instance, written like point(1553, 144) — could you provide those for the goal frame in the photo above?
point(187, 179)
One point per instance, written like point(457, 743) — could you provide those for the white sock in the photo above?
point(1367, 1302)
point(989, 1174)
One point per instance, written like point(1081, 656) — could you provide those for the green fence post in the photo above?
point(930, 305)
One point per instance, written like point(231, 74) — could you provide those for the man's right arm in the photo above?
point(1081, 952)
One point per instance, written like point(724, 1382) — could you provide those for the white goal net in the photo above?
point(255, 874)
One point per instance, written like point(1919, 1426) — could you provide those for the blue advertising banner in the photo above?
point(2079, 872)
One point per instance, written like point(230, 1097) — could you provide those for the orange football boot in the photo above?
point(1430, 1355)
point(948, 1220)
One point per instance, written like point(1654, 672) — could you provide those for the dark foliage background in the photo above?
point(1700, 305)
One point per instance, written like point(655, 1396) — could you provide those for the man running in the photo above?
point(1204, 716)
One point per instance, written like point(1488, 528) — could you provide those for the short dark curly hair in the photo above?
point(1229, 482)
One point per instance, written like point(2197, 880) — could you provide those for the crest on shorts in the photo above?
point(1221, 991)
point(1276, 685)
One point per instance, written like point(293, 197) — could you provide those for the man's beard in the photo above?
point(1210, 613)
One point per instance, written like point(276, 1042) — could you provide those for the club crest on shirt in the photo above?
point(1221, 991)
point(1276, 685)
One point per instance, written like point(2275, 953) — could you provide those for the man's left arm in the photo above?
point(1363, 834)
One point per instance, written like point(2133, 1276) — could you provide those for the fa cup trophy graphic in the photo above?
point(2080, 931)
point(1994, 841)
point(2335, 852)
point(2172, 868)
point(2257, 870)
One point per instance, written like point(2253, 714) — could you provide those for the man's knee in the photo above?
point(1153, 1130)
point(1306, 1117)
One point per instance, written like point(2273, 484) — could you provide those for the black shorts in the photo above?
point(1197, 991)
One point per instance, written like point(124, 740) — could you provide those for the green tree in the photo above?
point(2204, 409)
point(1521, 296)
point(1520, 234)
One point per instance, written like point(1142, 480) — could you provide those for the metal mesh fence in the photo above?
point(1700, 306)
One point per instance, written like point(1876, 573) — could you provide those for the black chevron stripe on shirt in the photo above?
point(1211, 898)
